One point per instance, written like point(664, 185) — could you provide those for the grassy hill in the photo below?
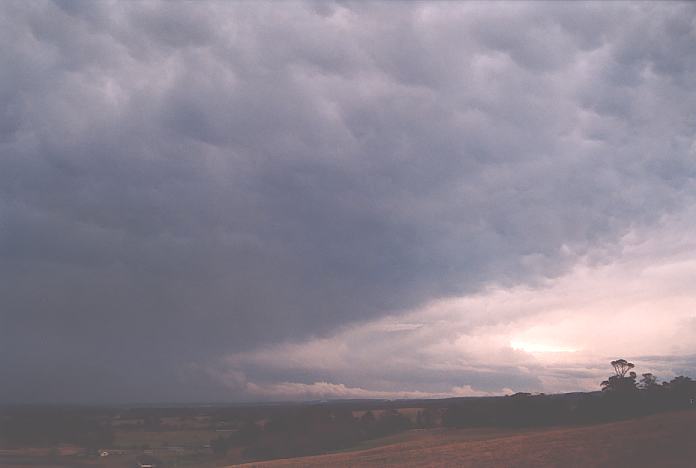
point(665, 440)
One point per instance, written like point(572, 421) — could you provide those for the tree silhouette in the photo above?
point(682, 391)
point(648, 382)
point(621, 366)
point(619, 382)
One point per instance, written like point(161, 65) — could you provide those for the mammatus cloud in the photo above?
point(208, 183)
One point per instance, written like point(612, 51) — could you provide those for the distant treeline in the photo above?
point(622, 396)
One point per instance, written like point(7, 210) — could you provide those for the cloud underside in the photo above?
point(258, 200)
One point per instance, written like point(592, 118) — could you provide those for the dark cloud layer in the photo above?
point(181, 181)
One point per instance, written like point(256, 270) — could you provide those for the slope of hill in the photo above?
point(665, 440)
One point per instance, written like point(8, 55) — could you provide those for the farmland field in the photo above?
point(153, 439)
point(665, 440)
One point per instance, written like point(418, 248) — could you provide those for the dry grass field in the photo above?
point(664, 440)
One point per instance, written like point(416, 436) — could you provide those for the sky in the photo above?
point(250, 201)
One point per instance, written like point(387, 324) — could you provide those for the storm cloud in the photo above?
point(190, 190)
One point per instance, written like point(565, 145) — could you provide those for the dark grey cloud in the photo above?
point(183, 181)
